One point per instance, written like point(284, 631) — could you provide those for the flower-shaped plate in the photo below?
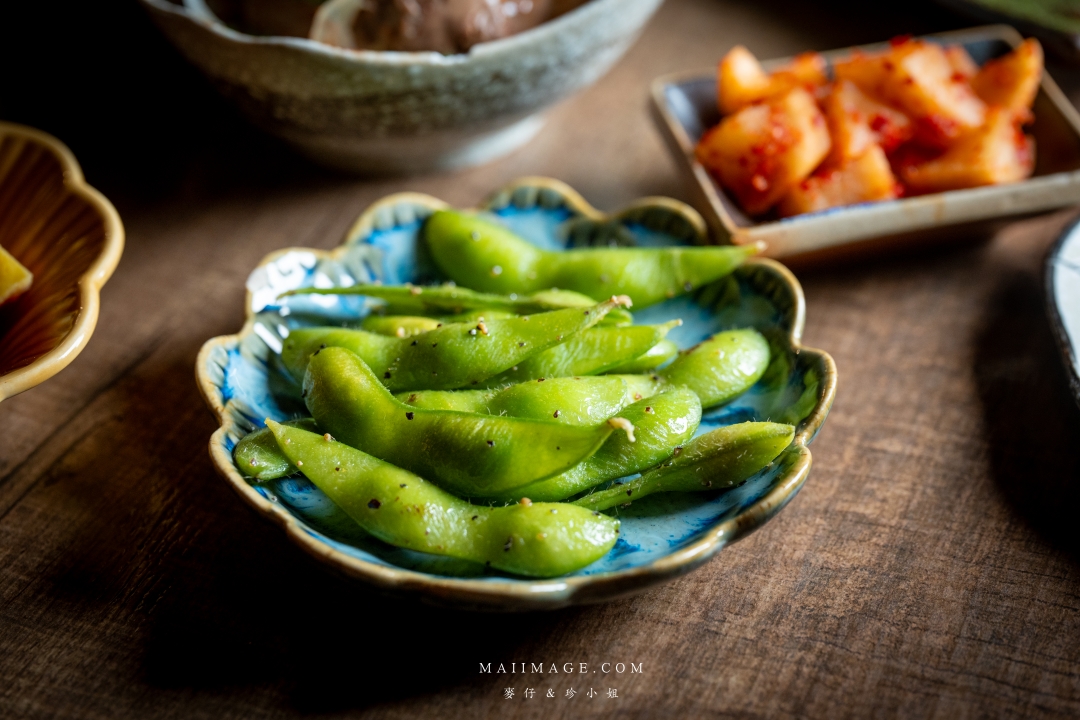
point(69, 236)
point(662, 536)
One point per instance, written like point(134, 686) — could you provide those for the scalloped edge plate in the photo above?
point(509, 593)
point(89, 282)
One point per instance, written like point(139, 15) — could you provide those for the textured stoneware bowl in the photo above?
point(686, 108)
point(69, 236)
point(405, 112)
point(661, 537)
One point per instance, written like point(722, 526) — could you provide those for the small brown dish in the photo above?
point(69, 236)
point(686, 107)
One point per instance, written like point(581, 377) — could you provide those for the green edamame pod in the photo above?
point(466, 453)
point(257, 455)
point(719, 459)
point(399, 325)
point(570, 400)
point(488, 257)
point(661, 423)
point(475, 316)
point(588, 353)
point(452, 356)
point(398, 507)
point(651, 359)
point(722, 367)
point(450, 299)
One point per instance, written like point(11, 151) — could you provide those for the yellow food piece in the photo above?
point(857, 123)
point(14, 278)
point(741, 80)
point(1012, 81)
point(862, 179)
point(998, 152)
point(762, 151)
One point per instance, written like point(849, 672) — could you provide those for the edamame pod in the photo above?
point(661, 423)
point(486, 256)
point(651, 359)
point(722, 367)
point(570, 400)
point(470, 454)
point(452, 356)
point(588, 353)
point(398, 507)
point(399, 325)
point(719, 459)
point(257, 454)
point(450, 298)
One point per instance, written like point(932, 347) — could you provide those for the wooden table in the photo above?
point(926, 569)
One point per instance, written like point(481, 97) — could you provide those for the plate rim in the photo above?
point(515, 594)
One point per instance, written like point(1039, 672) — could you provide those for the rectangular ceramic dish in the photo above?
point(686, 108)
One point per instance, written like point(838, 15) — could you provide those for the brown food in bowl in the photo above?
point(916, 118)
point(445, 26)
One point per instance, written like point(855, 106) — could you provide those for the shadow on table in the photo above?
point(273, 620)
point(143, 123)
point(1031, 418)
point(247, 612)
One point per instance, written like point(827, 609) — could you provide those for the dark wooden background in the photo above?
point(929, 568)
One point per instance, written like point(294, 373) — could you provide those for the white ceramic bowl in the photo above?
point(393, 112)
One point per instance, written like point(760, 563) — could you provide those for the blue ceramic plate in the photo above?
point(662, 536)
point(1063, 300)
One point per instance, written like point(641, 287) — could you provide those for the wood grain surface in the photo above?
point(929, 568)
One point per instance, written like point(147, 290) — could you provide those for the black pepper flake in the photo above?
point(539, 379)
point(414, 342)
point(316, 352)
point(509, 544)
point(556, 414)
point(386, 374)
point(304, 393)
point(521, 344)
point(630, 491)
point(412, 397)
point(434, 344)
point(410, 415)
point(491, 443)
point(596, 514)
point(475, 516)
point(474, 382)
point(648, 408)
point(322, 346)
point(558, 448)
point(403, 485)
point(374, 504)
point(337, 469)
